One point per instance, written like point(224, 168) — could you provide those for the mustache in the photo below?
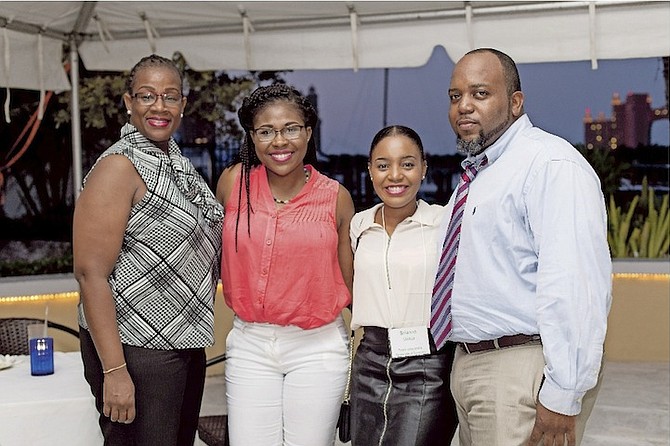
point(479, 144)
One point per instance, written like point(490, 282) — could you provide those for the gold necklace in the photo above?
point(278, 201)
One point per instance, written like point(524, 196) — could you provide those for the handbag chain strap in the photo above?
point(347, 389)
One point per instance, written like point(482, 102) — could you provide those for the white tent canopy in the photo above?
point(257, 35)
point(277, 35)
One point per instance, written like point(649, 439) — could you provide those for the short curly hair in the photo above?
point(153, 61)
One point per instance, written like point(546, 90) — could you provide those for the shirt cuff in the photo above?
point(556, 399)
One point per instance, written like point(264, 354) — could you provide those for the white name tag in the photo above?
point(409, 341)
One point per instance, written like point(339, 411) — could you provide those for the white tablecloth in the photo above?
point(51, 410)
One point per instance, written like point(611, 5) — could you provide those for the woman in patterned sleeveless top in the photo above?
point(147, 238)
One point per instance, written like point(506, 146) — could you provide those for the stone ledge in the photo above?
point(641, 266)
point(38, 284)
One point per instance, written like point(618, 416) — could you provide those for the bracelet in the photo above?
point(104, 372)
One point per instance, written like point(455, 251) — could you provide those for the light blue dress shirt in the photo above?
point(533, 258)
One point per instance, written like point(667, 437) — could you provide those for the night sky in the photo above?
point(557, 95)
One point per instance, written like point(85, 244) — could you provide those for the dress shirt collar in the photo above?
point(495, 150)
point(423, 215)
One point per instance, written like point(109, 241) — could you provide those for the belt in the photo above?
point(503, 342)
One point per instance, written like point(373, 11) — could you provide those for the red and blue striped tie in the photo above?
point(440, 309)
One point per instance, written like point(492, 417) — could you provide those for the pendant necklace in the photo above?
point(278, 201)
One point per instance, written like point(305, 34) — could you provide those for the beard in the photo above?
point(471, 148)
point(476, 146)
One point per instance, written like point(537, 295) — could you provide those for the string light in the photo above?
point(56, 296)
point(642, 276)
point(41, 297)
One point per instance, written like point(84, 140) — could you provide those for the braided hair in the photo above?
point(253, 104)
point(152, 61)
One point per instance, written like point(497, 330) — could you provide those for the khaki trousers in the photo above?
point(496, 395)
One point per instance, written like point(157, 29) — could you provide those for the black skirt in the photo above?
point(404, 401)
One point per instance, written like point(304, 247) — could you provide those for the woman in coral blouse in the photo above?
point(286, 273)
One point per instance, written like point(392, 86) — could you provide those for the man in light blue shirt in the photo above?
point(532, 286)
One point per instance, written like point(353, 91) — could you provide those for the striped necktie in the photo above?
point(440, 309)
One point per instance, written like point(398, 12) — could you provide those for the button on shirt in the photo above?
point(394, 275)
point(533, 258)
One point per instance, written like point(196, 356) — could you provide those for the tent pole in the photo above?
point(75, 120)
point(386, 97)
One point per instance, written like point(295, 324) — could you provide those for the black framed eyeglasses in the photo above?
point(148, 98)
point(267, 134)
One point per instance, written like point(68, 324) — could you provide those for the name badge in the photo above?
point(409, 341)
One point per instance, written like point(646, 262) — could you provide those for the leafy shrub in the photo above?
point(52, 265)
point(636, 234)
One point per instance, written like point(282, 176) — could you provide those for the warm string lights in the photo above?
point(40, 297)
point(55, 296)
point(642, 276)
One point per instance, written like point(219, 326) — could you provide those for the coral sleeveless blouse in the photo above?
point(285, 270)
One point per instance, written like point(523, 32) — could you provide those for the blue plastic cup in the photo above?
point(41, 356)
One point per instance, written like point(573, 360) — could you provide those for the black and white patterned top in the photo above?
point(165, 278)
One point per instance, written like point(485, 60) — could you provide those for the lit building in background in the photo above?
point(630, 124)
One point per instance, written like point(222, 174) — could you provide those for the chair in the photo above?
point(14, 334)
point(213, 429)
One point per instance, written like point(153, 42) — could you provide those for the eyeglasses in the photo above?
point(169, 99)
point(266, 134)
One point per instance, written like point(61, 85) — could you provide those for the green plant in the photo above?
point(51, 265)
point(652, 240)
point(619, 227)
point(646, 236)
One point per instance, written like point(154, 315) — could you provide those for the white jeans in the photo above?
point(284, 385)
